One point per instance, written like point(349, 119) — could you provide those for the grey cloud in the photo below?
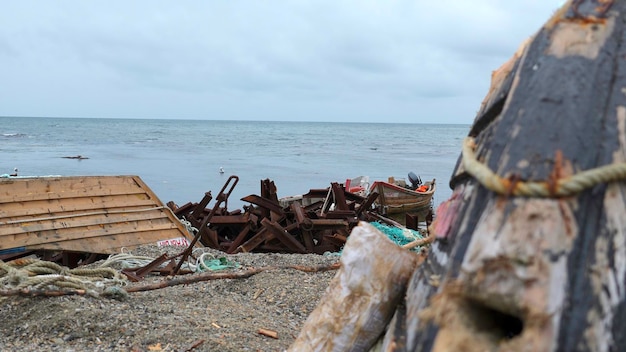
point(356, 58)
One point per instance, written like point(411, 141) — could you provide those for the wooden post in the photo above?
point(529, 273)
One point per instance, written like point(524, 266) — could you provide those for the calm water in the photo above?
point(180, 159)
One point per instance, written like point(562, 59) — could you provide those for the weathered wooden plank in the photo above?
point(537, 274)
point(9, 211)
point(71, 194)
point(89, 211)
point(50, 235)
point(28, 189)
point(97, 218)
point(111, 244)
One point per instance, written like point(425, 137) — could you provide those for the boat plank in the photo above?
point(85, 213)
point(83, 232)
point(110, 243)
point(64, 183)
point(70, 194)
point(79, 220)
point(11, 211)
point(396, 199)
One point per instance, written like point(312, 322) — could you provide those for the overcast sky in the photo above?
point(318, 60)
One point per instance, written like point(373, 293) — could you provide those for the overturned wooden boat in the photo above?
point(395, 197)
point(87, 214)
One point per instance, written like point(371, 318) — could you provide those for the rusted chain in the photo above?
point(563, 187)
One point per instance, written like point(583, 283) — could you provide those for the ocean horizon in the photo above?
point(180, 159)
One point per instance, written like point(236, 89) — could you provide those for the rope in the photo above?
point(563, 187)
point(36, 274)
point(126, 260)
point(129, 261)
point(214, 264)
point(192, 230)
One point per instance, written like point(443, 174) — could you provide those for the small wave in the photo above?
point(10, 135)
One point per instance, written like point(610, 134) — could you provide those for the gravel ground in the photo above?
point(217, 315)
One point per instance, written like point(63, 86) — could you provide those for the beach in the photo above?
point(216, 315)
point(180, 161)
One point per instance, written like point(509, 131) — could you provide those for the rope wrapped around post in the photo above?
point(563, 187)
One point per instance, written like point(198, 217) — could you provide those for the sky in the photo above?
point(324, 60)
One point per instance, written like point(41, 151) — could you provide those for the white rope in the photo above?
point(192, 230)
point(201, 262)
point(126, 260)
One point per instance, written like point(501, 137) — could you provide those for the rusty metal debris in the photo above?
point(138, 274)
point(319, 222)
point(209, 236)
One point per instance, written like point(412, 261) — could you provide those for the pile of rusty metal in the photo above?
point(269, 225)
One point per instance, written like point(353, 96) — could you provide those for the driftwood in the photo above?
point(207, 276)
point(525, 264)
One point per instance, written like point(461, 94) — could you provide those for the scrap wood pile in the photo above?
point(269, 226)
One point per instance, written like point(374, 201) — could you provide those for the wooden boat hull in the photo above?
point(92, 214)
point(396, 199)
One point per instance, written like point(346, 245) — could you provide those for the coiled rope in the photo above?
point(192, 230)
point(562, 187)
point(30, 276)
point(35, 274)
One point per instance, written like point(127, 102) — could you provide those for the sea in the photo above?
point(180, 160)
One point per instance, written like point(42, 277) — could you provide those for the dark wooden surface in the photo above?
point(497, 257)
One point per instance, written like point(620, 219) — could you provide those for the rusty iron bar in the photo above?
point(267, 204)
point(268, 192)
point(284, 236)
point(325, 223)
point(337, 239)
point(339, 196)
point(340, 214)
point(222, 197)
point(255, 241)
point(198, 211)
point(365, 206)
point(268, 226)
point(238, 240)
point(230, 219)
point(137, 274)
point(305, 224)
